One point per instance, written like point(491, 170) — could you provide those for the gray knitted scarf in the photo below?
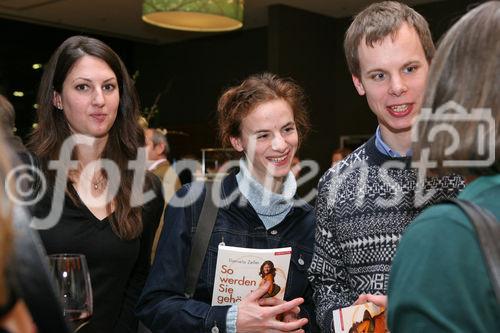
point(271, 207)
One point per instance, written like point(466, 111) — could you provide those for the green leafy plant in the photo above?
point(149, 112)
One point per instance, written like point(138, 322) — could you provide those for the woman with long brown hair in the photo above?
point(88, 101)
point(268, 272)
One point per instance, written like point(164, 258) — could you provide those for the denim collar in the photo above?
point(384, 147)
point(271, 207)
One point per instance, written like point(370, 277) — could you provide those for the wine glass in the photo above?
point(73, 283)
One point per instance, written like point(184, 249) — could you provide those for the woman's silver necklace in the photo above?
point(96, 184)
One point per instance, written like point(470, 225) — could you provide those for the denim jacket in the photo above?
point(163, 306)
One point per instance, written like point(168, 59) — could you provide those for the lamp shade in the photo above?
point(198, 15)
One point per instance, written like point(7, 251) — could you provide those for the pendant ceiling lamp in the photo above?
point(194, 15)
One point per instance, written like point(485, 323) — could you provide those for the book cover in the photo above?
point(362, 318)
point(240, 271)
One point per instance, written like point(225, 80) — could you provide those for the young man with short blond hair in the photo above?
point(366, 201)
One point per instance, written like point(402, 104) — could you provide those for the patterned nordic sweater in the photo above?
point(362, 210)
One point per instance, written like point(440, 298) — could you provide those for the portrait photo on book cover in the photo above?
point(240, 271)
point(361, 318)
point(268, 272)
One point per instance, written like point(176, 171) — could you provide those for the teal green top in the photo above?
point(439, 280)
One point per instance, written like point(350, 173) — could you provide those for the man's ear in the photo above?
point(57, 101)
point(159, 148)
point(358, 85)
point(236, 143)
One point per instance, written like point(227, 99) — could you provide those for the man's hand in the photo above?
point(256, 315)
point(379, 300)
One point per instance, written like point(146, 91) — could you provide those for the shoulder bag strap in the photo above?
point(199, 242)
point(488, 232)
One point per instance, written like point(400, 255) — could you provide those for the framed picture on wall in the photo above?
point(213, 160)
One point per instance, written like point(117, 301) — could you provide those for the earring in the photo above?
point(59, 107)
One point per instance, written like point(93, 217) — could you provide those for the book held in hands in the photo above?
point(362, 318)
point(240, 271)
